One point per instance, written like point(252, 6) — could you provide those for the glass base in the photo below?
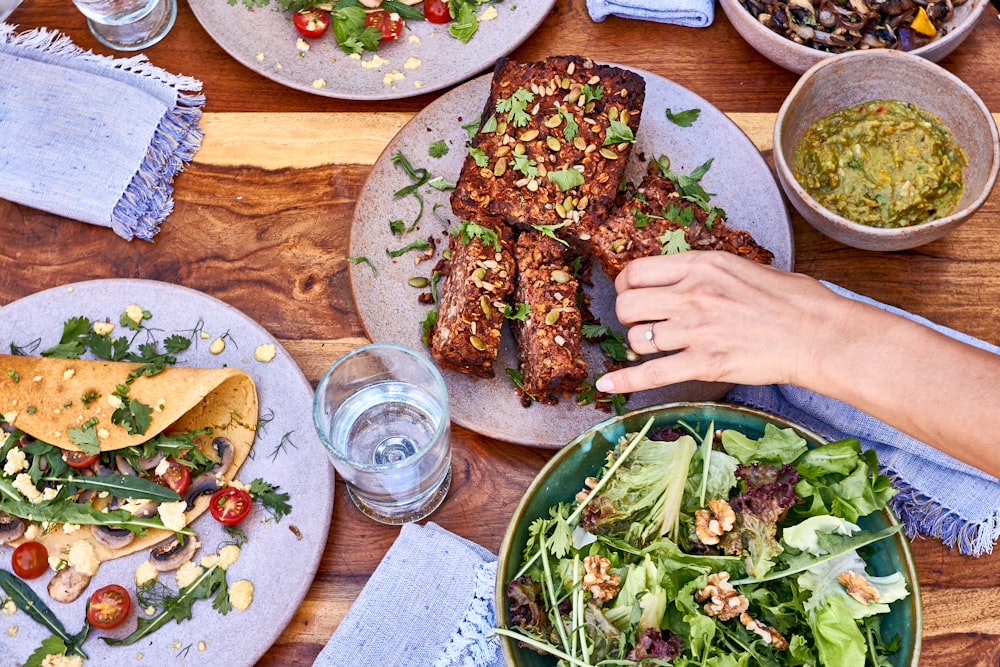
point(140, 34)
point(406, 513)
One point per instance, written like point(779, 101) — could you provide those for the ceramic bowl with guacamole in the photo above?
point(884, 150)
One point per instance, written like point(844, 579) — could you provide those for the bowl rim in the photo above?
point(499, 593)
point(956, 31)
point(786, 173)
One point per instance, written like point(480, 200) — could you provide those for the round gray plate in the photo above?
point(264, 39)
point(740, 179)
point(287, 453)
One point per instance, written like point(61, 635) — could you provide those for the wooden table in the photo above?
point(261, 221)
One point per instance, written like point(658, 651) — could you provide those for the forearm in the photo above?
point(923, 383)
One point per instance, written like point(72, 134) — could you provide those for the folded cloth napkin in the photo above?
point(938, 495)
point(688, 13)
point(91, 137)
point(429, 603)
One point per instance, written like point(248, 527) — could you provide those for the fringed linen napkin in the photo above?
point(91, 137)
point(939, 496)
point(429, 603)
point(688, 13)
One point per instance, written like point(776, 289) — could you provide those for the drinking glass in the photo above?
point(381, 411)
point(129, 25)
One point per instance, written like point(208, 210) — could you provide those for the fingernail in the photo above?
point(605, 384)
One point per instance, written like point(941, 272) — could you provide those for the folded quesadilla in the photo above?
point(100, 451)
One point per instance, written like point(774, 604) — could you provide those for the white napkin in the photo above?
point(688, 13)
point(429, 603)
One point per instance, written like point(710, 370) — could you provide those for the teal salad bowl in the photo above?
point(563, 477)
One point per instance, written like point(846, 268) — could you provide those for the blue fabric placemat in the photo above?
point(939, 496)
point(429, 603)
point(91, 137)
point(688, 13)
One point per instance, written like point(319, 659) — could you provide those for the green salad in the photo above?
point(711, 549)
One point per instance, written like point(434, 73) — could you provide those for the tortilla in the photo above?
point(43, 397)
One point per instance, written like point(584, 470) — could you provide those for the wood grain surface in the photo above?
point(262, 218)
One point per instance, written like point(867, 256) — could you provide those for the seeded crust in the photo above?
point(627, 235)
point(546, 137)
point(549, 346)
point(477, 281)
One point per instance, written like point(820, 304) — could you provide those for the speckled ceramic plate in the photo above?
point(740, 179)
point(287, 453)
point(264, 40)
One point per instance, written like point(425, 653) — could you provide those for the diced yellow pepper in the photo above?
point(922, 24)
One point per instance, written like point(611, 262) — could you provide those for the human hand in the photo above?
point(723, 318)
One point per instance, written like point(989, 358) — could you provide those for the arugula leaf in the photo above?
point(267, 494)
point(684, 118)
point(439, 183)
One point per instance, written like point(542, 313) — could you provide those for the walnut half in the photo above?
point(601, 583)
point(724, 601)
point(712, 523)
point(858, 587)
point(767, 633)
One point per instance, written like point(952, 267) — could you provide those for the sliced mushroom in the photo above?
point(226, 452)
point(112, 538)
point(203, 484)
point(124, 467)
point(68, 584)
point(150, 462)
point(11, 528)
point(173, 553)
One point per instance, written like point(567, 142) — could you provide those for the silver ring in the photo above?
point(651, 337)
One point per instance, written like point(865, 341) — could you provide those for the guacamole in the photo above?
point(884, 163)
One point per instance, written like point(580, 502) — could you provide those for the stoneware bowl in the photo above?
point(880, 74)
point(798, 58)
point(563, 476)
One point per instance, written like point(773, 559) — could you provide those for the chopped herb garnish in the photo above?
point(517, 312)
point(566, 178)
point(592, 93)
point(619, 132)
point(363, 260)
point(516, 106)
point(438, 148)
point(525, 165)
point(468, 230)
point(674, 241)
point(13, 375)
point(684, 118)
point(479, 157)
point(418, 244)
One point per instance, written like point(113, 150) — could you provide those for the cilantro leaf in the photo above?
point(267, 494)
point(525, 165)
point(566, 178)
point(550, 231)
point(479, 157)
point(73, 341)
point(133, 415)
point(468, 230)
point(438, 148)
point(592, 93)
point(516, 106)
point(674, 241)
point(516, 312)
point(684, 118)
point(619, 132)
point(572, 130)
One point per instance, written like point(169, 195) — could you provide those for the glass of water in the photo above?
point(381, 411)
point(129, 25)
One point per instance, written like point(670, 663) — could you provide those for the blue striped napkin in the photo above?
point(688, 13)
point(91, 137)
point(429, 603)
point(939, 496)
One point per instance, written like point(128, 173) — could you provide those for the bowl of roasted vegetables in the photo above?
point(797, 34)
point(707, 534)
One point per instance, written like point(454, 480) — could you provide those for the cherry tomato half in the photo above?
point(79, 459)
point(389, 24)
point(108, 607)
point(30, 560)
point(311, 22)
point(176, 477)
point(230, 505)
point(436, 11)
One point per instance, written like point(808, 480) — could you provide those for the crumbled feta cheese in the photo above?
point(56, 563)
point(56, 660)
point(172, 515)
point(205, 335)
point(392, 77)
point(9, 417)
point(227, 556)
point(376, 61)
point(50, 493)
point(241, 594)
point(103, 328)
point(489, 13)
point(69, 528)
point(187, 573)
point(9, 608)
point(162, 466)
point(12, 631)
point(31, 532)
point(83, 557)
point(68, 373)
point(135, 313)
point(114, 401)
point(145, 573)
point(217, 346)
point(16, 462)
point(27, 488)
point(259, 56)
point(37, 378)
point(202, 646)
point(302, 45)
point(412, 63)
point(413, 39)
point(102, 433)
point(319, 84)
point(265, 352)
